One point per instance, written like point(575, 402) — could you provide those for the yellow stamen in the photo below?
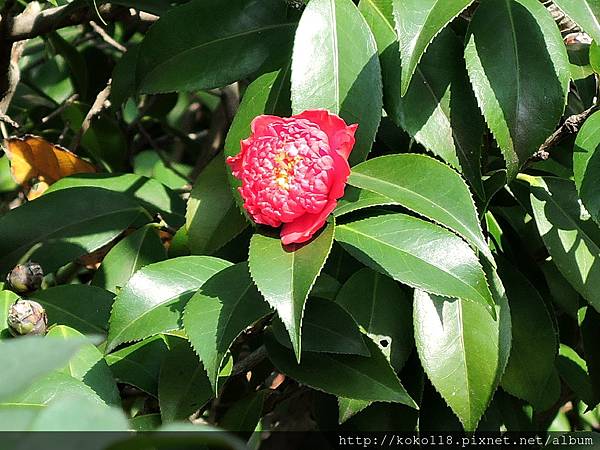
point(284, 168)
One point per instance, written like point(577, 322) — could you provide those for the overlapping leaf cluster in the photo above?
point(456, 286)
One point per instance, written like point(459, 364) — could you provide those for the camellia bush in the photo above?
point(283, 215)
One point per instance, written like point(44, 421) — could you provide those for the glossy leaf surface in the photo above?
point(463, 350)
point(335, 66)
point(153, 300)
point(517, 64)
point(417, 253)
point(285, 275)
point(207, 44)
point(224, 306)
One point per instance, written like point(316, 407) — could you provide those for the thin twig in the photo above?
point(61, 108)
point(107, 37)
point(99, 104)
point(569, 127)
point(7, 119)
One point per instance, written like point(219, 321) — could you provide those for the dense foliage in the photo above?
point(456, 285)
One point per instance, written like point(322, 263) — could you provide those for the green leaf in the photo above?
point(44, 390)
point(594, 57)
point(7, 299)
point(407, 179)
point(440, 90)
point(153, 196)
point(285, 275)
point(379, 16)
point(42, 356)
point(590, 333)
point(517, 64)
point(76, 412)
point(352, 376)
point(325, 287)
point(146, 422)
point(417, 23)
point(137, 250)
point(139, 364)
point(85, 308)
point(17, 418)
point(179, 244)
point(384, 311)
point(59, 402)
point(75, 61)
point(579, 57)
point(534, 344)
point(50, 405)
point(335, 66)
point(573, 370)
point(244, 414)
point(463, 350)
point(585, 13)
point(150, 164)
point(104, 140)
point(571, 239)
point(355, 198)
point(183, 386)
point(169, 174)
point(440, 111)
point(7, 184)
point(213, 218)
point(268, 94)
point(215, 316)
point(123, 77)
point(417, 253)
point(563, 294)
point(88, 365)
point(62, 226)
point(153, 300)
point(327, 328)
point(205, 44)
point(586, 165)
point(348, 407)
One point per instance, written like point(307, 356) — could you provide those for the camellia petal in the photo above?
point(261, 125)
point(302, 230)
point(341, 136)
point(293, 170)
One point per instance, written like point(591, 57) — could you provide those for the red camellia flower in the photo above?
point(293, 170)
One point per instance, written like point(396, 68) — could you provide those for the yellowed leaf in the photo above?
point(36, 163)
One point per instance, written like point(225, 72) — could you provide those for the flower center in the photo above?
point(284, 167)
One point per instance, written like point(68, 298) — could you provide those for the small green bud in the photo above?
point(27, 317)
point(25, 278)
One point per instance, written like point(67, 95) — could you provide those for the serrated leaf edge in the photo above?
point(488, 256)
point(110, 346)
point(497, 379)
point(406, 84)
point(297, 347)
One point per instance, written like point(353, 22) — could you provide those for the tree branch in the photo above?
point(10, 53)
point(569, 127)
point(29, 26)
point(107, 37)
point(99, 104)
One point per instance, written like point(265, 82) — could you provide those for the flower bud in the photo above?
point(25, 278)
point(27, 317)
